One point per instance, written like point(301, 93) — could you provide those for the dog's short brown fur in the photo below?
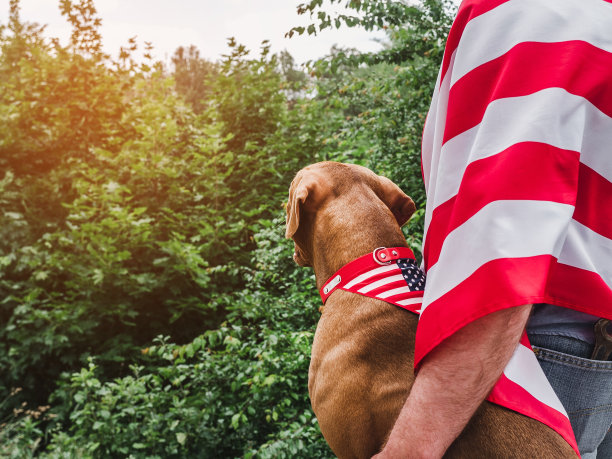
point(361, 369)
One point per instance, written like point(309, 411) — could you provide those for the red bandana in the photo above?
point(389, 274)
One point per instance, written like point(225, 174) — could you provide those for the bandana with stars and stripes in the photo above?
point(388, 274)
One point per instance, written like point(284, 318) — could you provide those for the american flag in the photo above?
point(517, 167)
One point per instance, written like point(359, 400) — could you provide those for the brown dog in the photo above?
point(361, 369)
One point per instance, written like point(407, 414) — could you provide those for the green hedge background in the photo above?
point(149, 305)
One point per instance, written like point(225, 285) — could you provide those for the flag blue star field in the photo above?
point(413, 275)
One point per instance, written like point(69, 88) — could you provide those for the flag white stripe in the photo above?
point(409, 301)
point(528, 119)
point(429, 130)
point(431, 161)
point(523, 369)
point(380, 283)
point(546, 22)
point(537, 228)
point(371, 273)
point(585, 249)
point(393, 292)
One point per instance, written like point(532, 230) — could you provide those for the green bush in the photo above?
point(136, 204)
point(150, 222)
point(239, 390)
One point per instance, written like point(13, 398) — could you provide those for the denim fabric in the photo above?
point(584, 387)
point(548, 319)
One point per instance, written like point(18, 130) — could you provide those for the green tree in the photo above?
point(133, 232)
point(376, 102)
point(192, 75)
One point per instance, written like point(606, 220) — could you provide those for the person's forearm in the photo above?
point(452, 382)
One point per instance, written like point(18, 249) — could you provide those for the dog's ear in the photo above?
point(298, 193)
point(304, 191)
point(396, 200)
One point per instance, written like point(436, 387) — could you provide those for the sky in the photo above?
point(207, 24)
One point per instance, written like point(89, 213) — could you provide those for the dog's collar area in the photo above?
point(385, 256)
point(386, 273)
point(332, 284)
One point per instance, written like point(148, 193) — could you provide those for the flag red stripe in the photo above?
point(402, 296)
point(511, 395)
point(394, 298)
point(576, 66)
point(468, 10)
point(580, 287)
point(382, 288)
point(413, 308)
point(525, 340)
point(594, 213)
point(509, 175)
point(407, 296)
point(501, 284)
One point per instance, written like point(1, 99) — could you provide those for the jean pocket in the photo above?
point(558, 357)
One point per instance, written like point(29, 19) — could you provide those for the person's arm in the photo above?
point(452, 382)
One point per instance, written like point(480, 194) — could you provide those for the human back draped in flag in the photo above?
point(518, 172)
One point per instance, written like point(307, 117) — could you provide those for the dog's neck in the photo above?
point(338, 241)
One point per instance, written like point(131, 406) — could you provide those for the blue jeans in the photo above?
point(584, 387)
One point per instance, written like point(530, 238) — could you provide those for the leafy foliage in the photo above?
point(239, 390)
point(149, 305)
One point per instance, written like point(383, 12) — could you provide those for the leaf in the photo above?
point(98, 276)
point(181, 437)
point(40, 275)
point(111, 187)
point(189, 350)
point(236, 421)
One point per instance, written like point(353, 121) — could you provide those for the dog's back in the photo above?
point(360, 371)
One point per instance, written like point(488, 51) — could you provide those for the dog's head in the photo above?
point(318, 183)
